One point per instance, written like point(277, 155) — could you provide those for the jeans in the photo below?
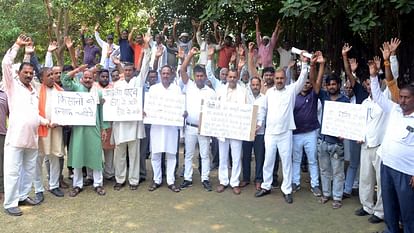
point(354, 160)
point(331, 164)
point(307, 141)
point(259, 151)
point(398, 199)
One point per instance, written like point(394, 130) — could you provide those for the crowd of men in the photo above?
point(290, 99)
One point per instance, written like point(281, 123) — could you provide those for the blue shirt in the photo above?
point(325, 96)
point(360, 93)
point(305, 113)
point(127, 54)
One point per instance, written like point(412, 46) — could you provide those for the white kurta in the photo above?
point(164, 138)
point(126, 131)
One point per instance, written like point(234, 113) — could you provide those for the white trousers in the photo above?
point(109, 169)
point(236, 153)
point(204, 148)
point(53, 175)
point(369, 175)
point(19, 170)
point(156, 167)
point(121, 165)
point(283, 143)
point(78, 178)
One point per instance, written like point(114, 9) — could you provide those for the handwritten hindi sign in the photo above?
point(228, 120)
point(166, 109)
point(344, 120)
point(122, 104)
point(74, 108)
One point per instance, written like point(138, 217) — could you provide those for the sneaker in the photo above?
point(186, 184)
point(316, 191)
point(295, 187)
point(207, 185)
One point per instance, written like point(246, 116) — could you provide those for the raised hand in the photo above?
point(257, 20)
point(377, 61)
point(29, 49)
point(320, 59)
point(386, 51)
point(303, 58)
point(134, 29)
point(83, 29)
point(82, 68)
point(68, 42)
point(52, 46)
point(160, 51)
point(242, 62)
point(314, 59)
point(373, 71)
point(244, 26)
point(194, 23)
point(116, 60)
point(251, 47)
point(279, 28)
point(117, 19)
point(23, 40)
point(393, 44)
point(180, 53)
point(147, 38)
point(233, 57)
point(353, 64)
point(345, 49)
point(291, 63)
point(97, 27)
point(175, 22)
point(193, 51)
point(151, 20)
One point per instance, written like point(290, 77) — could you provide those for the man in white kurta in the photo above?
point(232, 92)
point(164, 138)
point(21, 143)
point(280, 101)
point(50, 139)
point(196, 92)
point(128, 133)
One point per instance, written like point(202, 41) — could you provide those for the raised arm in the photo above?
point(345, 49)
point(67, 79)
point(8, 61)
point(250, 62)
point(316, 84)
point(48, 58)
point(298, 85)
point(377, 95)
point(209, 69)
point(100, 42)
point(187, 60)
point(145, 60)
point(118, 31)
point(258, 37)
point(69, 45)
point(276, 34)
point(394, 43)
point(130, 37)
point(82, 35)
point(174, 31)
point(195, 29)
point(216, 32)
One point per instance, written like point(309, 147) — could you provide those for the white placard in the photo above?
point(164, 109)
point(73, 108)
point(228, 120)
point(344, 120)
point(122, 104)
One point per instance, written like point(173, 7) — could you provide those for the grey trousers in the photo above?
point(2, 137)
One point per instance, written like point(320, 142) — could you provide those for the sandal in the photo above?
point(75, 191)
point(100, 191)
point(133, 187)
point(153, 186)
point(323, 199)
point(174, 188)
point(336, 204)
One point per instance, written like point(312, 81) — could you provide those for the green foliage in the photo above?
point(299, 8)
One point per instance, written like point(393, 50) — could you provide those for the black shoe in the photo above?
point(141, 179)
point(288, 198)
point(118, 186)
point(361, 212)
point(374, 219)
point(13, 211)
point(346, 195)
point(262, 192)
point(186, 184)
point(28, 201)
point(57, 192)
point(207, 185)
point(295, 187)
point(39, 198)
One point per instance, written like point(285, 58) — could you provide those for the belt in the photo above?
point(193, 125)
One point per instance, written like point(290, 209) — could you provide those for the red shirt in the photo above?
point(137, 55)
point(224, 56)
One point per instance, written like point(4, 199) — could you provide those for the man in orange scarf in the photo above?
point(50, 139)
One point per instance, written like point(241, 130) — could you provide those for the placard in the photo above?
point(122, 104)
point(228, 120)
point(344, 120)
point(73, 108)
point(164, 109)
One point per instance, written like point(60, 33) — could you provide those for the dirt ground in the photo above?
point(191, 210)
